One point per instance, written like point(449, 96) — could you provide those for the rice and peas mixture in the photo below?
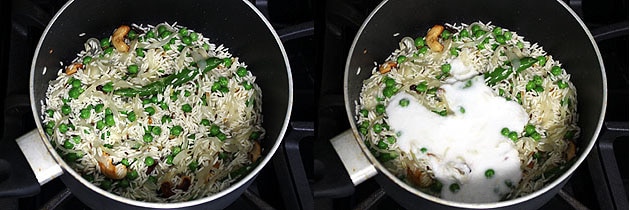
point(427, 75)
point(156, 113)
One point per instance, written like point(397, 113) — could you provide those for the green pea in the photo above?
point(223, 81)
point(99, 108)
point(100, 124)
point(194, 36)
point(464, 33)
point(214, 130)
point(556, 70)
point(163, 106)
point(221, 136)
point(223, 156)
point(529, 129)
point(150, 110)
point(105, 42)
point(419, 42)
point(539, 89)
point(389, 91)
point(505, 131)
point(500, 39)
point(183, 32)
point(50, 124)
point(443, 113)
point(205, 122)
point(364, 112)
point(161, 29)
point(165, 119)
point(508, 35)
point(423, 150)
point(215, 87)
point(149, 161)
point(187, 108)
point(109, 120)
point(538, 80)
point(193, 165)
point(224, 89)
point(132, 69)
point(454, 51)
point(389, 82)
point(454, 187)
point(421, 87)
point(65, 109)
point(380, 108)
point(176, 130)
point(108, 145)
point(108, 87)
point(132, 34)
point(75, 92)
point(187, 40)
point(462, 110)
point(479, 33)
point(108, 51)
point(536, 136)
point(520, 45)
point(125, 162)
point(67, 144)
point(541, 60)
point(401, 59)
point(140, 52)
point(169, 159)
point(131, 116)
point(530, 85)
point(50, 112)
point(446, 68)
point(241, 72)
point(106, 184)
point(497, 31)
point(156, 130)
point(166, 47)
point(254, 135)
point(85, 113)
point(206, 46)
point(382, 145)
point(148, 138)
point(403, 102)
point(489, 173)
point(247, 85)
point(423, 49)
point(76, 83)
point(481, 46)
point(87, 60)
point(377, 128)
point(446, 34)
point(513, 135)
point(562, 84)
point(132, 175)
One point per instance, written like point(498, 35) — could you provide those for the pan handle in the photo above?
point(41, 161)
point(25, 165)
point(356, 163)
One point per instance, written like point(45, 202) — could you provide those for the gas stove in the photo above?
point(306, 173)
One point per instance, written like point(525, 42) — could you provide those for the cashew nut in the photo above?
point(118, 38)
point(432, 38)
point(71, 69)
point(419, 177)
point(255, 153)
point(386, 67)
point(109, 170)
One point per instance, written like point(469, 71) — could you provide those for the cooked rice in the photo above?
point(553, 111)
point(222, 158)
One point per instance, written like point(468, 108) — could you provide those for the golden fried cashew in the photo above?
point(419, 177)
point(255, 153)
point(386, 67)
point(432, 38)
point(71, 69)
point(570, 150)
point(109, 170)
point(118, 38)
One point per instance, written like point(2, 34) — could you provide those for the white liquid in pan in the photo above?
point(466, 143)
